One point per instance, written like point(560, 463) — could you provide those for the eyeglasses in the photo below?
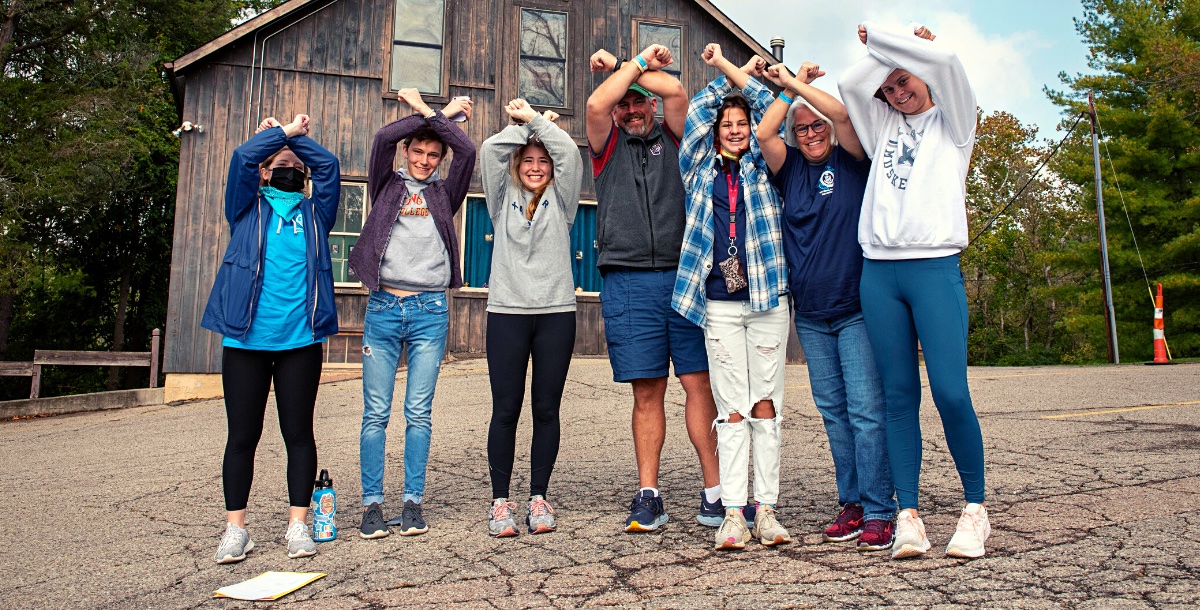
point(817, 127)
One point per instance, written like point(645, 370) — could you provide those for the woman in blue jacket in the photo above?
point(273, 302)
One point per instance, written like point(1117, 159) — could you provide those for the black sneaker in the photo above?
point(412, 523)
point(372, 525)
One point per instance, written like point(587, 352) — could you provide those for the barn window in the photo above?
point(477, 246)
point(670, 36)
point(417, 46)
point(543, 64)
point(345, 231)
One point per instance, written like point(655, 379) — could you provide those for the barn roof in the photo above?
point(292, 6)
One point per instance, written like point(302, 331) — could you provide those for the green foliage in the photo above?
point(88, 167)
point(1147, 88)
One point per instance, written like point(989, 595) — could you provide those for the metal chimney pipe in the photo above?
point(777, 48)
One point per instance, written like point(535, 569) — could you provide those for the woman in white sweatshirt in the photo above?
point(532, 174)
point(914, 112)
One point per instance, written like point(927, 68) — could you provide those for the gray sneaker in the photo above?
point(234, 544)
point(767, 527)
point(300, 542)
point(372, 525)
point(500, 520)
point(541, 516)
point(412, 523)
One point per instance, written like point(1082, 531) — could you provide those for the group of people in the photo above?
point(710, 222)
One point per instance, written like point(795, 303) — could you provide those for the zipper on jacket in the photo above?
point(316, 276)
point(649, 208)
point(257, 266)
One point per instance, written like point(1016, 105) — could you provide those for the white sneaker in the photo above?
point(299, 541)
point(910, 537)
point(973, 529)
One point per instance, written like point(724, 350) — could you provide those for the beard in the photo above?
point(647, 124)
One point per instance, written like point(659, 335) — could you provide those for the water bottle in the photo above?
point(324, 506)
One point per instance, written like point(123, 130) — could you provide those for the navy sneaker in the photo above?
point(645, 513)
point(711, 515)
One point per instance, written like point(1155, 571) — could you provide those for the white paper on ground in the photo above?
point(268, 586)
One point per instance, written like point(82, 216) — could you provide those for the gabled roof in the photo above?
point(292, 6)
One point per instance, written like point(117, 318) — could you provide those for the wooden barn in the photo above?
point(341, 61)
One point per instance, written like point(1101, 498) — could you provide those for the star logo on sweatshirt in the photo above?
point(908, 155)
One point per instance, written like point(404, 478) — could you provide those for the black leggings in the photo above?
point(511, 339)
point(246, 376)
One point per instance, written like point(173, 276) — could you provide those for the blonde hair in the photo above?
point(790, 136)
point(515, 167)
point(307, 174)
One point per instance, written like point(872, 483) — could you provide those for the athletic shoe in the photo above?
point(910, 537)
point(711, 514)
point(235, 543)
point(733, 533)
point(847, 526)
point(299, 540)
point(645, 513)
point(412, 523)
point(541, 516)
point(877, 535)
point(973, 529)
point(767, 527)
point(372, 525)
point(500, 521)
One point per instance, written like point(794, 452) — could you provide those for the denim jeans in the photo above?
point(418, 323)
point(849, 395)
point(747, 352)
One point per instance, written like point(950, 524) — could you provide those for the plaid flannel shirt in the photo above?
point(766, 267)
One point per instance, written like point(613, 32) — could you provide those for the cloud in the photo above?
point(998, 66)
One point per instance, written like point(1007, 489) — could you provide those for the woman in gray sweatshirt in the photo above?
point(532, 172)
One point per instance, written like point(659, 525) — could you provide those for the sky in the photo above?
point(1011, 49)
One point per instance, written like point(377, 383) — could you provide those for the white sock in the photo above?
point(653, 489)
point(712, 494)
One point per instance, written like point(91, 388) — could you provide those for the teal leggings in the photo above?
point(903, 300)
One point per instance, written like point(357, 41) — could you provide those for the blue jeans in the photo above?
point(907, 300)
point(849, 395)
point(418, 323)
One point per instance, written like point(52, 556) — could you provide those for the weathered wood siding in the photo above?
point(329, 60)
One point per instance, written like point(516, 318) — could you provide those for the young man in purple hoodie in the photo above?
point(407, 255)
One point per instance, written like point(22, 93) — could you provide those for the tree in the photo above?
point(88, 168)
point(1147, 90)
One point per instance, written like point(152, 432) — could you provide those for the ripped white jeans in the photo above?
point(747, 351)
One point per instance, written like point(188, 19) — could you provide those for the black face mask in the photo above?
point(287, 179)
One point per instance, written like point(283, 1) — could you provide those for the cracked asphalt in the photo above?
point(1093, 480)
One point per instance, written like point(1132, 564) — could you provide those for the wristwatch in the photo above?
point(617, 66)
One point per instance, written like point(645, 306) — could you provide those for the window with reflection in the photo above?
point(343, 236)
point(543, 69)
point(417, 45)
point(670, 36)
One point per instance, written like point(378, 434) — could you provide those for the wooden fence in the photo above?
point(83, 358)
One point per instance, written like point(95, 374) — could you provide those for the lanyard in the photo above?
point(731, 180)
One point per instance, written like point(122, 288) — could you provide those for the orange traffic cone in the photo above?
point(1160, 338)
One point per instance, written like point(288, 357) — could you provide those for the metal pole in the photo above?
point(1110, 318)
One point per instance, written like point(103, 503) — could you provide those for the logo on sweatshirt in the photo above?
point(825, 184)
point(656, 150)
point(899, 156)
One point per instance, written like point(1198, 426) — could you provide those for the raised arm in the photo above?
point(697, 135)
point(241, 188)
point(769, 134)
point(458, 179)
point(495, 156)
point(915, 50)
point(857, 86)
point(828, 105)
point(602, 101)
point(325, 174)
point(568, 164)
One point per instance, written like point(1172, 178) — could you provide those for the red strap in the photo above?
point(731, 180)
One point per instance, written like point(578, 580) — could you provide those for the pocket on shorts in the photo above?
point(614, 301)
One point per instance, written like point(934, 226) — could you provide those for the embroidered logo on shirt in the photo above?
point(656, 150)
point(900, 155)
point(825, 184)
point(414, 205)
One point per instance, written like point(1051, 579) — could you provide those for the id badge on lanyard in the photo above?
point(731, 268)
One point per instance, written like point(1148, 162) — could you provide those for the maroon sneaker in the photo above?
point(847, 526)
point(877, 535)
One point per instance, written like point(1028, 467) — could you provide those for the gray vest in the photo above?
point(640, 203)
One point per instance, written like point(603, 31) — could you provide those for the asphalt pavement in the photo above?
point(1093, 482)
